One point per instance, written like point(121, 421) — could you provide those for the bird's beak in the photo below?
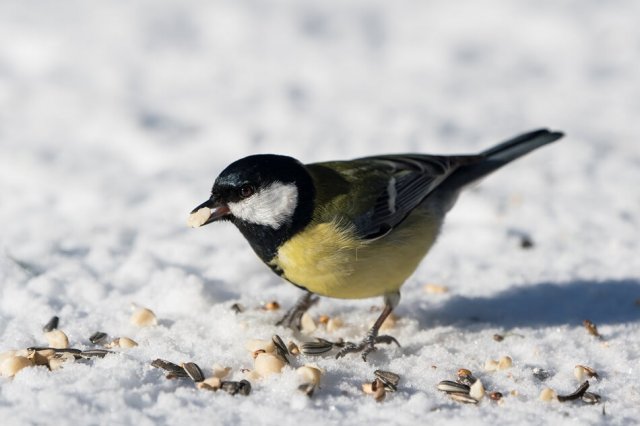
point(207, 212)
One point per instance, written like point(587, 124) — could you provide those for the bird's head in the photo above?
point(265, 196)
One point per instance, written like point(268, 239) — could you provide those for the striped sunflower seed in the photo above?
point(243, 387)
point(591, 398)
point(174, 370)
point(320, 346)
point(577, 394)
point(281, 348)
point(194, 371)
point(462, 397)
point(449, 386)
point(95, 353)
point(389, 379)
point(51, 325)
point(97, 337)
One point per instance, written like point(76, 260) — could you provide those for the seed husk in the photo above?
point(476, 390)
point(334, 324)
point(498, 337)
point(210, 383)
point(293, 349)
point(174, 370)
point(51, 325)
point(582, 371)
point(281, 349)
point(266, 364)
point(548, 394)
point(194, 371)
point(307, 389)
point(389, 379)
point(577, 394)
point(258, 344)
point(462, 397)
point(591, 398)
point(451, 386)
point(12, 365)
point(378, 388)
point(465, 377)
point(491, 365)
point(592, 329)
point(59, 359)
point(243, 387)
point(95, 353)
point(541, 374)
point(57, 339)
point(97, 337)
point(143, 317)
point(41, 357)
point(320, 346)
point(125, 342)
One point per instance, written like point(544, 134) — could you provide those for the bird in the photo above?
point(349, 229)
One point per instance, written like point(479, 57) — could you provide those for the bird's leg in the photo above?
point(368, 344)
point(293, 316)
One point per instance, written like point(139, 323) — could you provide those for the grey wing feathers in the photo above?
point(411, 179)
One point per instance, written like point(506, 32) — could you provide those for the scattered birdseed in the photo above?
point(143, 317)
point(271, 306)
point(323, 319)
point(237, 308)
point(125, 342)
point(243, 387)
point(309, 374)
point(450, 386)
point(307, 325)
point(378, 388)
point(582, 371)
point(51, 325)
point(219, 371)
point(97, 337)
point(548, 394)
point(193, 371)
point(259, 344)
point(57, 339)
point(59, 359)
point(462, 397)
point(476, 390)
point(435, 288)
point(491, 365)
point(12, 365)
point(320, 346)
point(281, 349)
point(577, 394)
point(266, 364)
point(591, 328)
point(94, 353)
point(389, 380)
point(495, 396)
point(498, 337)
point(174, 370)
point(334, 324)
point(591, 398)
point(465, 377)
point(505, 362)
point(211, 383)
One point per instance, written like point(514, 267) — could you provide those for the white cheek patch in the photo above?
point(271, 206)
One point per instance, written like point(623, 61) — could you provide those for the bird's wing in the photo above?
point(379, 192)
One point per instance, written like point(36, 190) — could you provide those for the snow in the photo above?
point(117, 116)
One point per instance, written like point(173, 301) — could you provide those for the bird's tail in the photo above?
point(496, 157)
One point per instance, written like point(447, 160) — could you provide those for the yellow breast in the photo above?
point(327, 258)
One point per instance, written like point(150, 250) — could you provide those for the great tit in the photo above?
point(349, 229)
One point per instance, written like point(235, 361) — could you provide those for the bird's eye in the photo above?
point(246, 191)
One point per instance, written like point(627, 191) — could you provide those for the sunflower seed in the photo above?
point(591, 398)
point(541, 374)
point(582, 371)
point(293, 349)
point(465, 377)
point(389, 379)
point(271, 306)
point(462, 397)
point(97, 337)
point(281, 349)
point(498, 337)
point(576, 394)
point(174, 370)
point(56, 350)
point(51, 325)
point(449, 386)
point(95, 353)
point(496, 396)
point(316, 348)
point(307, 389)
point(243, 387)
point(193, 371)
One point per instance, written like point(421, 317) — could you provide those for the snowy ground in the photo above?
point(116, 116)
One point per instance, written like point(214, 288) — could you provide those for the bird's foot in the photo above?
point(366, 346)
point(293, 317)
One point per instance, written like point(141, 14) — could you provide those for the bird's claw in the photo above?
point(293, 316)
point(366, 346)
